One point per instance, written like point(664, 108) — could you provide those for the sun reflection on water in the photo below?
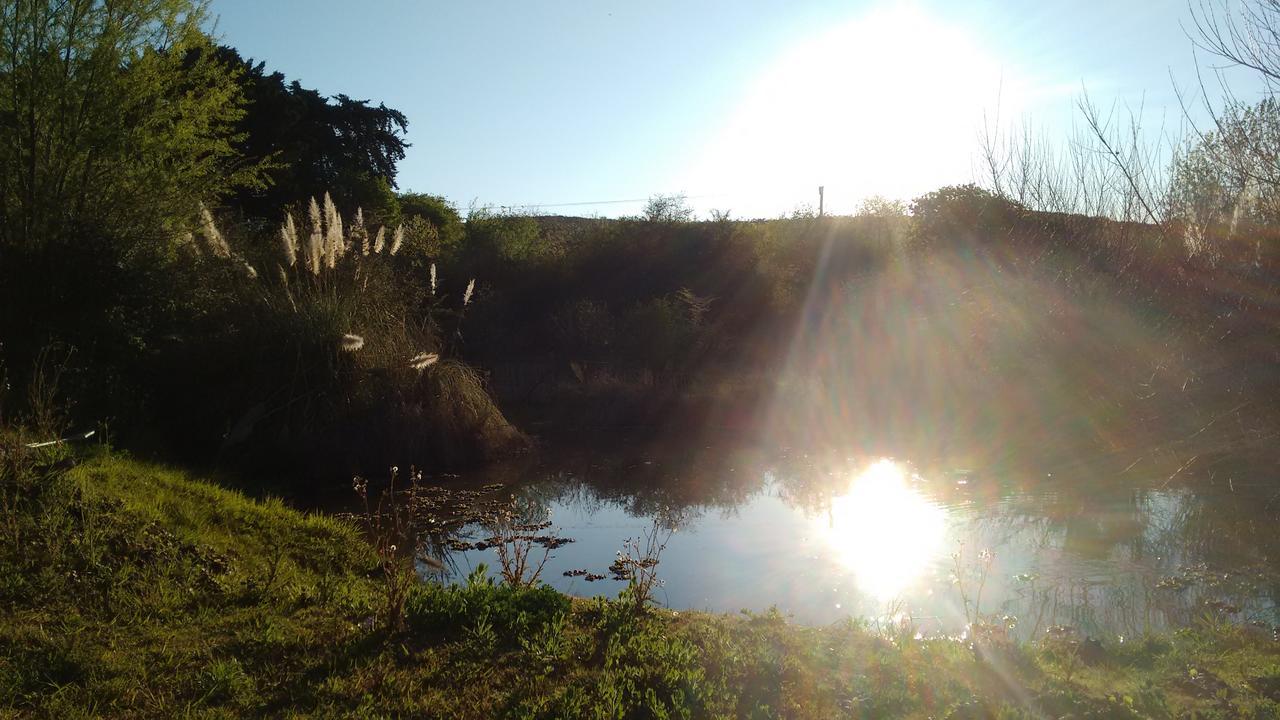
point(883, 531)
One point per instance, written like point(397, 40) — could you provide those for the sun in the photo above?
point(890, 103)
point(883, 531)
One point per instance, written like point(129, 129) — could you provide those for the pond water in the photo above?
point(1105, 549)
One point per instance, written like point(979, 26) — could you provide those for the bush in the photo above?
point(959, 213)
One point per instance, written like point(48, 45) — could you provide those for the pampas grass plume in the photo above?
point(358, 232)
point(466, 296)
point(289, 240)
point(352, 343)
point(422, 361)
point(334, 245)
point(315, 243)
point(314, 212)
point(315, 250)
point(217, 245)
point(379, 240)
point(433, 278)
point(397, 239)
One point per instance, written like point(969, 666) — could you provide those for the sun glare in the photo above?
point(889, 103)
point(883, 531)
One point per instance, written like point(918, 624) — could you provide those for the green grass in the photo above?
point(132, 590)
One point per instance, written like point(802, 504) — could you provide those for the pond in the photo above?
point(1105, 549)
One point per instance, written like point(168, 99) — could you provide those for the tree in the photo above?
point(879, 206)
point(314, 145)
point(668, 208)
point(420, 212)
point(1245, 34)
point(957, 211)
point(111, 118)
point(116, 124)
point(1245, 140)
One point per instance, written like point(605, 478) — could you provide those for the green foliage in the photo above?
point(480, 605)
point(118, 124)
point(659, 333)
point(504, 240)
point(116, 119)
point(440, 214)
point(881, 207)
point(1225, 184)
point(959, 214)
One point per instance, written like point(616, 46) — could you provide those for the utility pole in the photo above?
point(820, 189)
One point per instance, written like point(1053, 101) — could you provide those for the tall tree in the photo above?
point(110, 119)
point(314, 145)
point(116, 123)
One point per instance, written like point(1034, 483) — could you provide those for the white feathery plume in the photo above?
point(217, 245)
point(422, 361)
point(466, 296)
point(333, 241)
point(379, 240)
point(397, 239)
point(289, 240)
point(315, 243)
point(352, 343)
point(433, 278)
point(358, 231)
point(329, 208)
point(314, 212)
point(315, 252)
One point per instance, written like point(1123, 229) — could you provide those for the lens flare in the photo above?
point(884, 531)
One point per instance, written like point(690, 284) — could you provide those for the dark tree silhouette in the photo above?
point(314, 144)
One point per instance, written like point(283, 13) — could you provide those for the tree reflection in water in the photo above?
point(1087, 545)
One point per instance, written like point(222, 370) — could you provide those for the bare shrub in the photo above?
point(637, 563)
point(388, 530)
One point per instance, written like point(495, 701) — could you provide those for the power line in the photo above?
point(592, 202)
point(577, 204)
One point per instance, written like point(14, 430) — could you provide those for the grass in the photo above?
point(133, 590)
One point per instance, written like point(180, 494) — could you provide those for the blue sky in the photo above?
point(745, 106)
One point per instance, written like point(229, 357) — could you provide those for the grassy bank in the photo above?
point(134, 590)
